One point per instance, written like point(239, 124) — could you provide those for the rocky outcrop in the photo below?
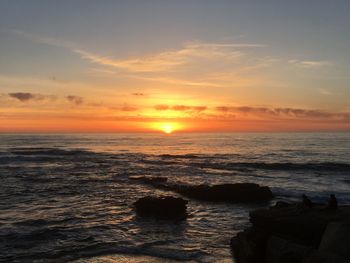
point(336, 239)
point(293, 233)
point(233, 193)
point(163, 207)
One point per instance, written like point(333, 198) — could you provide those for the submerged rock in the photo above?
point(240, 192)
point(163, 207)
point(293, 233)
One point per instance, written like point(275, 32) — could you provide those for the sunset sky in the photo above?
point(185, 65)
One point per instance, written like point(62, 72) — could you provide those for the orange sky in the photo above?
point(143, 67)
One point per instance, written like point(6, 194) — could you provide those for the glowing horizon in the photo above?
point(242, 68)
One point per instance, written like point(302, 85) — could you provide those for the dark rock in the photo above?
point(280, 204)
point(249, 246)
point(321, 257)
point(299, 232)
point(296, 223)
point(240, 192)
point(164, 207)
point(332, 202)
point(281, 250)
point(336, 239)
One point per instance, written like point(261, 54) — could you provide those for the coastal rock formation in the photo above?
point(294, 233)
point(163, 207)
point(239, 192)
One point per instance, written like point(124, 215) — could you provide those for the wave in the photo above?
point(283, 166)
point(46, 151)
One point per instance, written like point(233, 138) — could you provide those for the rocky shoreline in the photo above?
point(284, 233)
point(293, 233)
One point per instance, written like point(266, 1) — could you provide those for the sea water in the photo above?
point(66, 197)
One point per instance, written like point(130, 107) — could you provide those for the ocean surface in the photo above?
point(67, 197)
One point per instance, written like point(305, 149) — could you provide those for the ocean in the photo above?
point(68, 197)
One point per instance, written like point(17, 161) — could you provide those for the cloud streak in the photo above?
point(310, 63)
point(27, 96)
point(284, 112)
point(168, 60)
point(163, 107)
point(77, 100)
point(22, 96)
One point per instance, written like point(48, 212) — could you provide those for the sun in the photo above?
point(166, 127)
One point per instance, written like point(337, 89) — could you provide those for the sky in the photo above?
point(184, 65)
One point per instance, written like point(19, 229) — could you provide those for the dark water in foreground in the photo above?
point(65, 197)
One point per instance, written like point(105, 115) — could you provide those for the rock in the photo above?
point(293, 233)
point(164, 207)
point(234, 193)
point(294, 222)
point(249, 246)
point(320, 257)
point(281, 250)
point(336, 239)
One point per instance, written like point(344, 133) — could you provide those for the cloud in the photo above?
point(163, 107)
point(280, 112)
point(325, 92)
point(128, 108)
point(171, 59)
point(181, 108)
point(27, 96)
point(309, 63)
point(194, 63)
point(22, 96)
point(45, 40)
point(188, 108)
point(161, 62)
point(75, 99)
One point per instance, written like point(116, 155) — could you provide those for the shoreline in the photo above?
point(294, 233)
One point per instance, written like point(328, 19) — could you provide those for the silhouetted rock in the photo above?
point(336, 239)
point(282, 250)
point(306, 201)
point(332, 202)
point(240, 192)
point(163, 207)
point(293, 233)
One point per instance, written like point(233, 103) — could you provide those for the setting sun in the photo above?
point(166, 127)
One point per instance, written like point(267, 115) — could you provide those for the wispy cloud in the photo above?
point(310, 63)
point(45, 40)
point(77, 100)
point(279, 112)
point(162, 107)
point(170, 59)
point(194, 63)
